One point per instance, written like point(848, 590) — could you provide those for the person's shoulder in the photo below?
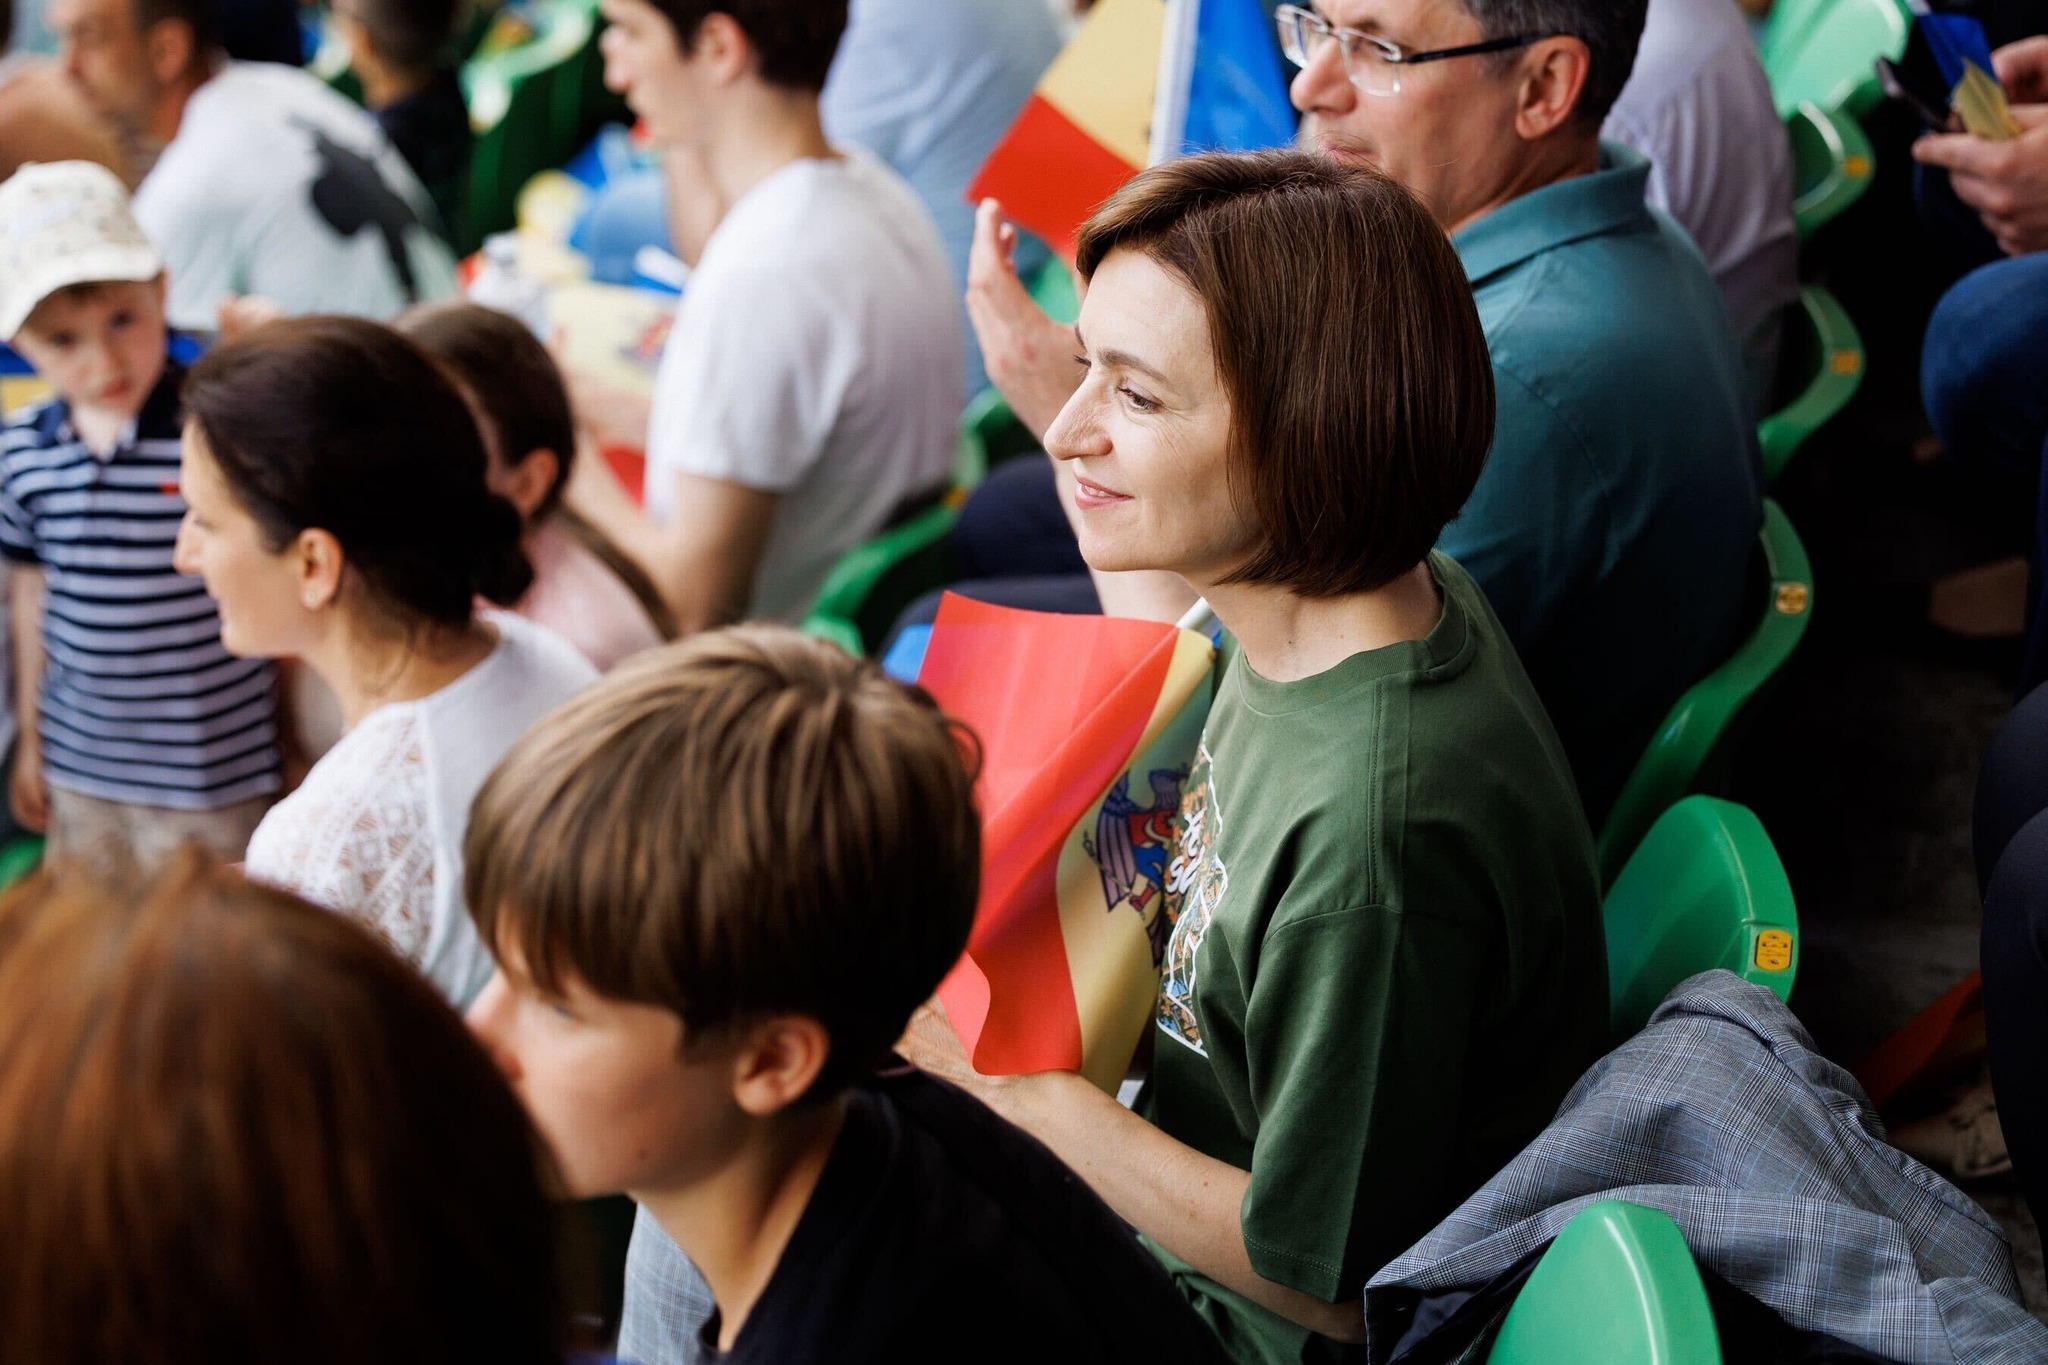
point(1028, 1242)
point(253, 112)
point(375, 766)
point(34, 437)
point(539, 657)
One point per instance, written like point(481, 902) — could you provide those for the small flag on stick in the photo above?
point(1089, 725)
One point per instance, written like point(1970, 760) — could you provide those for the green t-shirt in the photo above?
point(1386, 964)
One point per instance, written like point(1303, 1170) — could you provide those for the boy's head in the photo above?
point(81, 287)
point(516, 391)
point(406, 37)
point(717, 884)
point(133, 59)
point(671, 59)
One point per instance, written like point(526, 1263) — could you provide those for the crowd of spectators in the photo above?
point(1447, 414)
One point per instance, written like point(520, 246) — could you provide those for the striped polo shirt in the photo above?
point(141, 704)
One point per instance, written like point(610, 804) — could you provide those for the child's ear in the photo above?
point(170, 49)
point(725, 46)
point(319, 562)
point(529, 482)
point(777, 1062)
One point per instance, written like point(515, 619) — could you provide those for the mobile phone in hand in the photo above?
point(1896, 87)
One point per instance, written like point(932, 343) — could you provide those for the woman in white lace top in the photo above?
point(339, 514)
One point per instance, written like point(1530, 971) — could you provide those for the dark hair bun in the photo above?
point(345, 425)
point(503, 572)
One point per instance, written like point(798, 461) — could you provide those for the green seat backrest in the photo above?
point(873, 582)
point(1825, 355)
point(1002, 436)
point(529, 109)
point(1619, 1286)
point(1825, 50)
point(1831, 165)
point(1704, 890)
point(1693, 730)
point(19, 857)
point(1052, 285)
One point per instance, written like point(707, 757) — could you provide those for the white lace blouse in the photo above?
point(376, 829)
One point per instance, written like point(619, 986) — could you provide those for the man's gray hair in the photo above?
point(1610, 29)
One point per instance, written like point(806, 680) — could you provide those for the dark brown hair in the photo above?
point(747, 823)
point(413, 35)
point(344, 425)
point(1612, 30)
point(794, 39)
point(237, 1127)
point(1360, 387)
point(521, 404)
point(201, 16)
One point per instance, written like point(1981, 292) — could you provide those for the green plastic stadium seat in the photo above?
point(1824, 353)
point(1824, 51)
point(873, 582)
point(1619, 1286)
point(1678, 755)
point(1831, 165)
point(1052, 285)
point(1704, 890)
point(1002, 436)
point(19, 857)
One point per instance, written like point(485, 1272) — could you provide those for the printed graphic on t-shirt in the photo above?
point(349, 195)
point(1131, 849)
point(1196, 882)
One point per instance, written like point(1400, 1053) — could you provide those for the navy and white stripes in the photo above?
point(140, 702)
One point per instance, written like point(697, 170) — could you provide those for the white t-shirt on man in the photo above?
point(817, 355)
point(276, 185)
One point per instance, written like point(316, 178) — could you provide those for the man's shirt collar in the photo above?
point(1584, 206)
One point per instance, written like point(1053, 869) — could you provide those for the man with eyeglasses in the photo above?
point(1613, 526)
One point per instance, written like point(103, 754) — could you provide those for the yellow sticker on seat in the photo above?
point(1774, 950)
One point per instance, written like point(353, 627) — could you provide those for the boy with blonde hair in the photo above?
point(717, 884)
point(138, 731)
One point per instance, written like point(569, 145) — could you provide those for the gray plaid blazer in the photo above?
point(1772, 1161)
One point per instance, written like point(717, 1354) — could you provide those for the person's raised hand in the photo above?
point(27, 795)
point(2022, 68)
point(240, 314)
point(2005, 182)
point(1030, 358)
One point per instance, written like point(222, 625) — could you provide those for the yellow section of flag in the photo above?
point(1109, 947)
point(1103, 80)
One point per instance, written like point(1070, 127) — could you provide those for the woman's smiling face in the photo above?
point(1147, 435)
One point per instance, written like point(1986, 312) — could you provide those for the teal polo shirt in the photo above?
point(1614, 523)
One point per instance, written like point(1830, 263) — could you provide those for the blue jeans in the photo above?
point(2011, 840)
point(1984, 379)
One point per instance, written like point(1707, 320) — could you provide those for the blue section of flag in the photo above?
point(1237, 101)
point(905, 659)
point(1956, 39)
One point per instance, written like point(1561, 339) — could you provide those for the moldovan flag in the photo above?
point(1085, 130)
point(1088, 725)
point(1141, 82)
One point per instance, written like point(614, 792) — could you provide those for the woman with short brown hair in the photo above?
point(234, 1127)
point(1385, 967)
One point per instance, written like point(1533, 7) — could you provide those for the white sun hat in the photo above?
point(64, 223)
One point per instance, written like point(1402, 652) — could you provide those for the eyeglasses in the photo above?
point(1372, 63)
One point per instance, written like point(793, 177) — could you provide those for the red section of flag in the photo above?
point(1050, 175)
point(1059, 702)
point(630, 466)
